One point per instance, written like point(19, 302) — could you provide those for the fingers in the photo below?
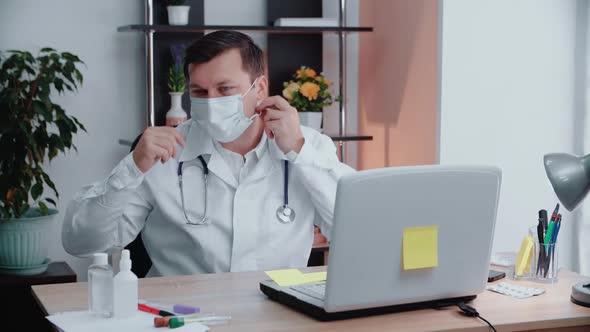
point(168, 131)
point(271, 114)
point(170, 142)
point(274, 102)
point(160, 153)
point(174, 133)
point(165, 143)
point(274, 127)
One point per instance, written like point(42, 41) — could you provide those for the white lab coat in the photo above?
point(243, 234)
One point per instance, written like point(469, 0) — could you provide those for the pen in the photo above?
point(165, 321)
point(181, 321)
point(152, 310)
point(552, 243)
point(543, 219)
point(556, 229)
point(540, 230)
point(555, 211)
point(175, 308)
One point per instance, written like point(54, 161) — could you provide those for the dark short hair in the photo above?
point(211, 45)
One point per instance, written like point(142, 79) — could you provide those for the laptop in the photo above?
point(366, 270)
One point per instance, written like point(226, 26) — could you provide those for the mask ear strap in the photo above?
point(250, 88)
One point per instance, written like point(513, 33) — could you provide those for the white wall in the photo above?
point(111, 102)
point(507, 98)
point(237, 12)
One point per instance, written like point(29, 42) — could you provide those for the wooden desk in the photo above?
point(238, 295)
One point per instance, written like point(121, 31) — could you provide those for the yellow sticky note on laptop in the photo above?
point(420, 247)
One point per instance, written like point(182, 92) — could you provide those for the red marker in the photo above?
point(153, 310)
point(554, 214)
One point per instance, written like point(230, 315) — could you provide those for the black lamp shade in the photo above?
point(570, 177)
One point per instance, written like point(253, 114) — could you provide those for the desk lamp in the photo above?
point(570, 177)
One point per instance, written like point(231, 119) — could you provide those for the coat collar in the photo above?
point(198, 142)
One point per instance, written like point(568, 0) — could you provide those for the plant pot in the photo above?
point(178, 15)
point(176, 115)
point(311, 119)
point(24, 243)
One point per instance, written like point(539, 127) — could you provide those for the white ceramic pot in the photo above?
point(178, 15)
point(24, 243)
point(176, 115)
point(311, 119)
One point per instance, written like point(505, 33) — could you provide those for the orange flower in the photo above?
point(288, 91)
point(323, 79)
point(310, 90)
point(10, 195)
point(307, 72)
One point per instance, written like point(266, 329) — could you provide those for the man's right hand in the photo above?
point(156, 144)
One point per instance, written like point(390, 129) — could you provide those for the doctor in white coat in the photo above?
point(232, 158)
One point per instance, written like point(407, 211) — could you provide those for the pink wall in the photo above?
point(398, 84)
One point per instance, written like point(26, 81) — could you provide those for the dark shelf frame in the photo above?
point(155, 29)
point(265, 29)
point(350, 138)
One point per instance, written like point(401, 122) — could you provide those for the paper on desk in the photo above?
point(420, 247)
point(293, 277)
point(74, 321)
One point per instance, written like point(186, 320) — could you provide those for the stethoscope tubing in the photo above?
point(285, 213)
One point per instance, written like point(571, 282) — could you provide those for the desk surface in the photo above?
point(238, 295)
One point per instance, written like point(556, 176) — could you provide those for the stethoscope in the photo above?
point(285, 213)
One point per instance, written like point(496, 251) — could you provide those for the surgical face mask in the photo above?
point(223, 117)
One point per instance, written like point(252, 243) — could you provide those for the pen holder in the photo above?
point(544, 261)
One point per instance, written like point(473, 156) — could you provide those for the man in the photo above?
point(205, 196)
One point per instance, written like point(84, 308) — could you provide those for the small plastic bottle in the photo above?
point(125, 288)
point(100, 286)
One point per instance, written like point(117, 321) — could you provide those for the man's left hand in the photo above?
point(281, 122)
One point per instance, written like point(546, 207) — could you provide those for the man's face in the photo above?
point(223, 76)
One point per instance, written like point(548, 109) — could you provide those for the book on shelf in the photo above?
point(306, 22)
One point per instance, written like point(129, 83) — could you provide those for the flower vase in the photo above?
point(311, 119)
point(178, 15)
point(176, 115)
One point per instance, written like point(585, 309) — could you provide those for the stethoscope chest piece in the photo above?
point(285, 214)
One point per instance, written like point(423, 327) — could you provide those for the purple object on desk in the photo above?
point(175, 308)
point(184, 309)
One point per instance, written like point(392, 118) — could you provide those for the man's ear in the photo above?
point(262, 88)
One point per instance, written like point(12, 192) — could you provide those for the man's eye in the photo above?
point(226, 88)
point(199, 92)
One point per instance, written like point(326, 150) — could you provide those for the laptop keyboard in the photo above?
point(316, 290)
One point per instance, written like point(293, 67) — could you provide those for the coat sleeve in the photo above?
point(319, 169)
point(107, 214)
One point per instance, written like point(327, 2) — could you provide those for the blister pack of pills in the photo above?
point(519, 292)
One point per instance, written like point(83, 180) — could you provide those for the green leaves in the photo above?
point(37, 190)
point(176, 79)
point(32, 127)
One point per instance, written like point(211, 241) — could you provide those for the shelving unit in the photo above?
point(150, 29)
point(253, 28)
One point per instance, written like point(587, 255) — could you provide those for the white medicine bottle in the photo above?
point(125, 288)
point(100, 286)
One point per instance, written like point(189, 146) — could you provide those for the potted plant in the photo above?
point(309, 94)
point(177, 85)
point(177, 12)
point(33, 129)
